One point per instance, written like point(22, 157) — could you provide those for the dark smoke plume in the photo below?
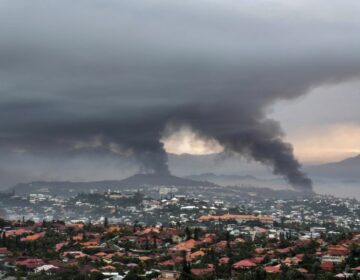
point(111, 75)
point(250, 135)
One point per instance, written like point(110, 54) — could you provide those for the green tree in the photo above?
point(106, 222)
point(188, 233)
point(4, 239)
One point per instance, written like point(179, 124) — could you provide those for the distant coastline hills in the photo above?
point(348, 169)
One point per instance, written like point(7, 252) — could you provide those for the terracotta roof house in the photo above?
point(33, 237)
point(15, 232)
point(76, 227)
point(291, 261)
point(244, 264)
point(240, 218)
point(30, 262)
point(186, 245)
point(327, 266)
point(108, 268)
point(90, 243)
point(303, 270)
point(202, 271)
point(144, 258)
point(283, 251)
point(273, 269)
point(224, 260)
point(146, 231)
point(112, 229)
point(260, 230)
point(4, 251)
point(60, 245)
point(257, 260)
point(75, 254)
point(338, 250)
point(196, 255)
point(167, 263)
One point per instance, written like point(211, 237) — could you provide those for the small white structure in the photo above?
point(45, 267)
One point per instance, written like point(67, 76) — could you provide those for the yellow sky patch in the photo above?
point(327, 143)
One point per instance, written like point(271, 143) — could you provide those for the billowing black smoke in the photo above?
point(247, 132)
point(111, 76)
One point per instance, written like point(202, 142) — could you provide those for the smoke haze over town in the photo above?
point(86, 84)
point(179, 139)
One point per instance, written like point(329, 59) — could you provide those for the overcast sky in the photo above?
point(108, 78)
point(325, 124)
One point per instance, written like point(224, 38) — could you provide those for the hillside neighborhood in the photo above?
point(189, 239)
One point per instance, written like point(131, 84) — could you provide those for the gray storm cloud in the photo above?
point(121, 71)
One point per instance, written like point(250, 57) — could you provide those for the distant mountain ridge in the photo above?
point(275, 183)
point(184, 187)
point(135, 181)
point(225, 180)
point(347, 168)
point(213, 175)
point(160, 179)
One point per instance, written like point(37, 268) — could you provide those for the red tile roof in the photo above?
point(30, 263)
point(33, 237)
point(272, 269)
point(233, 217)
point(327, 266)
point(4, 251)
point(244, 264)
point(202, 271)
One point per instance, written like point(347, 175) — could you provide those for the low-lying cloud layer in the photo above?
point(114, 74)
